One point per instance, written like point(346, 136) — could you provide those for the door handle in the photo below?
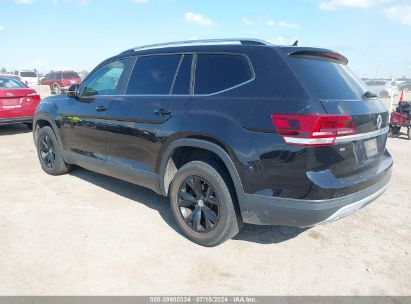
point(101, 109)
point(162, 112)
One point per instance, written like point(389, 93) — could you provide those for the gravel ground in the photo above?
point(87, 234)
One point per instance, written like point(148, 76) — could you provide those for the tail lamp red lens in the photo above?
point(313, 129)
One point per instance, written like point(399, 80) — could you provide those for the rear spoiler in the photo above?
point(321, 55)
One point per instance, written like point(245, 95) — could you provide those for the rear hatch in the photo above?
point(327, 79)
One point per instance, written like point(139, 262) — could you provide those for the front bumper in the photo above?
point(268, 210)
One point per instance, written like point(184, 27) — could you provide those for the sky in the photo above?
point(375, 35)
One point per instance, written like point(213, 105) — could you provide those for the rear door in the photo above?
point(328, 80)
point(151, 110)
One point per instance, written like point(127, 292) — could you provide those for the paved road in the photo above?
point(87, 234)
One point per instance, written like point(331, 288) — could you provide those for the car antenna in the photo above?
point(295, 43)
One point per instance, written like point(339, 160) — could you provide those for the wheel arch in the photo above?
point(42, 120)
point(167, 167)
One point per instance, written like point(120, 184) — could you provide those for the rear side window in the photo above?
point(70, 75)
point(153, 75)
point(218, 72)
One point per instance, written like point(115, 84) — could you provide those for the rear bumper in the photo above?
point(268, 210)
point(8, 121)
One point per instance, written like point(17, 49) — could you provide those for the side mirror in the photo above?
point(72, 91)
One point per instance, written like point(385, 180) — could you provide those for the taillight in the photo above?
point(35, 96)
point(313, 129)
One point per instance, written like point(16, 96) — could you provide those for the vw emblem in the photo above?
point(9, 94)
point(379, 121)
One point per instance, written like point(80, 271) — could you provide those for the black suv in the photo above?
point(233, 131)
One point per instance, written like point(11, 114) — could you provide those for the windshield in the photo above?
point(328, 80)
point(10, 83)
point(28, 74)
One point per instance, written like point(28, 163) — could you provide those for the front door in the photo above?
point(83, 129)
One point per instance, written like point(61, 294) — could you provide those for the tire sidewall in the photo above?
point(226, 209)
point(59, 166)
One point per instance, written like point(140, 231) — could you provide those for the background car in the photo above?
point(18, 102)
point(30, 78)
point(60, 81)
point(382, 87)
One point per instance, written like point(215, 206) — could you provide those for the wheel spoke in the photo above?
point(189, 218)
point(197, 220)
point(212, 200)
point(186, 199)
point(48, 141)
point(195, 185)
point(43, 146)
point(209, 215)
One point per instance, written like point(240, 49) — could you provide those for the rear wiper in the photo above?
point(368, 94)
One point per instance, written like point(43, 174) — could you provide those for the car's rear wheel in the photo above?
point(202, 203)
point(409, 133)
point(49, 153)
point(57, 89)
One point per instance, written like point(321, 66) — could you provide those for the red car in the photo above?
point(60, 80)
point(17, 101)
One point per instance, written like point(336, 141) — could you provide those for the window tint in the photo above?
point(217, 72)
point(153, 75)
point(28, 74)
point(328, 80)
point(105, 80)
point(57, 76)
point(70, 75)
point(182, 82)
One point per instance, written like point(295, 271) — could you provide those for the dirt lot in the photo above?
point(87, 234)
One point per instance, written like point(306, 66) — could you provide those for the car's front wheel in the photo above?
point(202, 203)
point(49, 153)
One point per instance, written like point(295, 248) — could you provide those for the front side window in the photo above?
point(153, 75)
point(106, 79)
point(218, 72)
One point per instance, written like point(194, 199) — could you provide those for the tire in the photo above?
point(394, 131)
point(57, 89)
point(409, 133)
point(49, 153)
point(206, 216)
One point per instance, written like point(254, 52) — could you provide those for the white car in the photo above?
point(383, 88)
point(30, 78)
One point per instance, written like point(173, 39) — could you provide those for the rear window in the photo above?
point(9, 83)
point(219, 72)
point(28, 74)
point(327, 79)
point(70, 75)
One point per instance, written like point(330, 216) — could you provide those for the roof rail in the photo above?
point(244, 41)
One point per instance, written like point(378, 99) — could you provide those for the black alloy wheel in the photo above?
point(198, 203)
point(47, 152)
